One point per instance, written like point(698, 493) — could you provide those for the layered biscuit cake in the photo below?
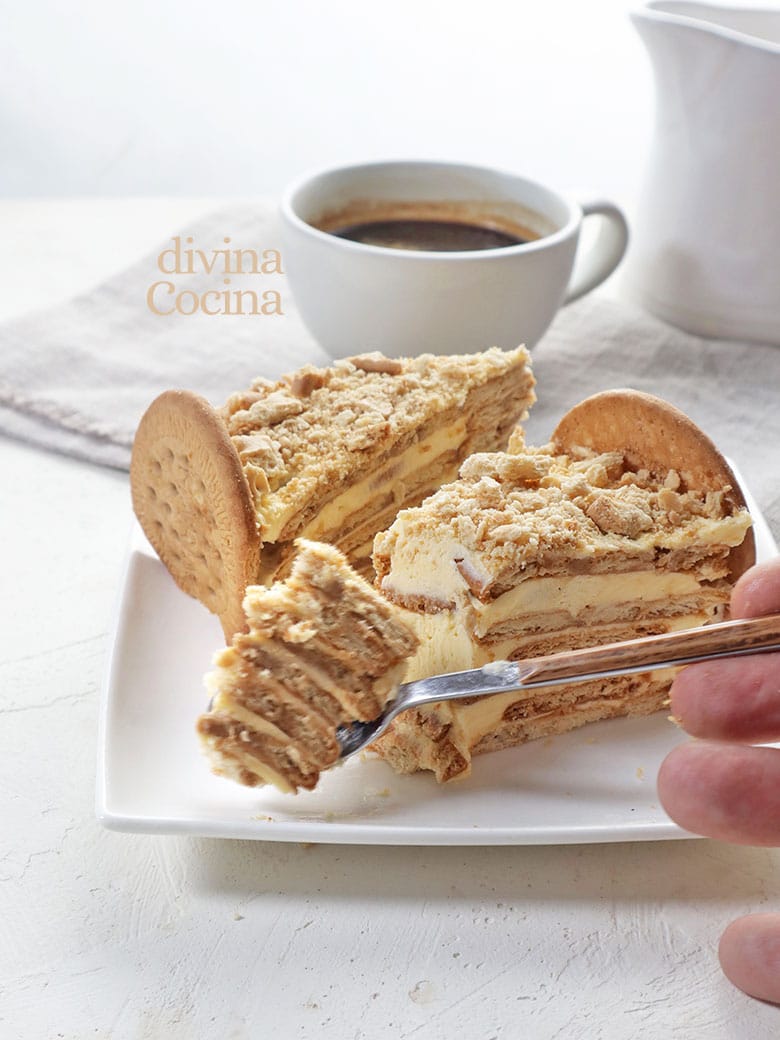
point(321, 648)
point(628, 523)
point(326, 454)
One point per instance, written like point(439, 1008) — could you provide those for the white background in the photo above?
point(193, 98)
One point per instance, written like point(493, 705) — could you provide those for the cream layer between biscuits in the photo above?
point(392, 473)
point(228, 764)
point(448, 638)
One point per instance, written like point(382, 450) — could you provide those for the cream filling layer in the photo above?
point(446, 643)
point(260, 769)
point(427, 568)
point(393, 472)
point(447, 638)
point(580, 592)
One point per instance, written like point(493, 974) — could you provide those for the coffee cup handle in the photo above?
point(605, 253)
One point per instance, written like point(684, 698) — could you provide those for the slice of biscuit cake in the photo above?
point(628, 523)
point(326, 454)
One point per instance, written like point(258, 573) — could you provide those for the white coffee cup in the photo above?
point(355, 297)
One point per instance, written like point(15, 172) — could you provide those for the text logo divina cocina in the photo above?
point(164, 297)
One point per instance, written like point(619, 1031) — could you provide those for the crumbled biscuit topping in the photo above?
point(305, 380)
point(376, 362)
point(312, 429)
point(509, 511)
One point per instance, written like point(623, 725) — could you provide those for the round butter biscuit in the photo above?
point(193, 502)
point(654, 435)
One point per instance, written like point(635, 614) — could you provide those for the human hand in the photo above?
point(722, 788)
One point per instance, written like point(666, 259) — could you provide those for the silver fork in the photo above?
point(727, 639)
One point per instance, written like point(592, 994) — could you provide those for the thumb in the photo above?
point(750, 955)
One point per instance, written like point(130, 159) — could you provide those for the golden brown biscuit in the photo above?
point(192, 500)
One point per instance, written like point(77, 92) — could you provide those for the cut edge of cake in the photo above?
point(533, 551)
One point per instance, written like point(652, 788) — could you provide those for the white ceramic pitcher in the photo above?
point(706, 250)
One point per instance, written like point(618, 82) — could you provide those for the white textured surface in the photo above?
point(133, 936)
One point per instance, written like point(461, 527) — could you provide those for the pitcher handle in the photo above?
point(605, 254)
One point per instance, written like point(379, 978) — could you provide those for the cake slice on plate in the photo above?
point(628, 523)
point(325, 454)
point(322, 648)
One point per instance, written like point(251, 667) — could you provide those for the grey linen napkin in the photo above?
point(77, 378)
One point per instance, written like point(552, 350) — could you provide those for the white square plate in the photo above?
point(596, 784)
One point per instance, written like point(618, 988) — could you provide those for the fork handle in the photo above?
point(726, 639)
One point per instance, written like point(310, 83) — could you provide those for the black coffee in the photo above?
point(438, 236)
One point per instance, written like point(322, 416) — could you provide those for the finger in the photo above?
point(758, 590)
point(749, 954)
point(736, 699)
point(727, 792)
